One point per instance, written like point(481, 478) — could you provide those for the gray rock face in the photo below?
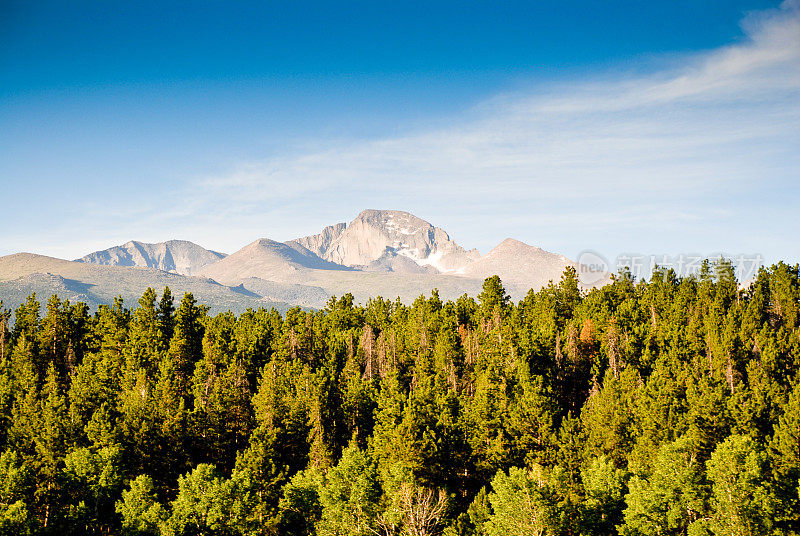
point(320, 243)
point(176, 256)
point(385, 240)
point(519, 263)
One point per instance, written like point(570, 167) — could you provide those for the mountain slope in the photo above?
point(522, 265)
point(178, 256)
point(266, 259)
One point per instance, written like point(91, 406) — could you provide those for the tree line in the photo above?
point(669, 406)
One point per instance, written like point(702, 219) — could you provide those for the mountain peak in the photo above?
point(396, 222)
point(268, 259)
point(384, 240)
point(512, 244)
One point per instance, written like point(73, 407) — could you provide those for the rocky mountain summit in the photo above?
point(176, 256)
point(390, 240)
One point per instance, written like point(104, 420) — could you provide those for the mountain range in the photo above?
point(176, 256)
point(389, 253)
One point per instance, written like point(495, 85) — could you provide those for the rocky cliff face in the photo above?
point(319, 244)
point(385, 240)
point(177, 256)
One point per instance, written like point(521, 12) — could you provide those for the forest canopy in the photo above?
point(662, 407)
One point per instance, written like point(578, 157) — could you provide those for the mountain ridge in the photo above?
point(94, 284)
point(390, 253)
point(177, 256)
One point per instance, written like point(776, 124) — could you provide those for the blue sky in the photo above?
point(650, 127)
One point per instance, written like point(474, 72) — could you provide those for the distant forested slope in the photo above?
point(669, 406)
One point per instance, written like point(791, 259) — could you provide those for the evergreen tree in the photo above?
point(493, 298)
point(742, 501)
point(784, 452)
point(523, 502)
point(140, 510)
point(166, 317)
point(672, 497)
point(349, 497)
point(146, 345)
point(186, 344)
point(15, 494)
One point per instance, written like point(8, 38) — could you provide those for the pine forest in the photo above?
point(668, 406)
